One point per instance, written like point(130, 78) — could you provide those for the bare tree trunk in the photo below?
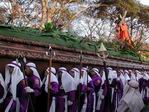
point(44, 4)
point(131, 31)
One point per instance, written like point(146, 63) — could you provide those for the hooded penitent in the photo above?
point(11, 82)
point(53, 87)
point(35, 72)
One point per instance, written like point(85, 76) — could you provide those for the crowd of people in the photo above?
point(73, 90)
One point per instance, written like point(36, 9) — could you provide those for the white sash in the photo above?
point(116, 106)
point(84, 105)
point(94, 106)
point(66, 106)
point(9, 106)
point(112, 90)
point(143, 93)
point(17, 105)
point(52, 108)
point(147, 92)
point(100, 97)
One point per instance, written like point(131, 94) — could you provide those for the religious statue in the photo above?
point(122, 32)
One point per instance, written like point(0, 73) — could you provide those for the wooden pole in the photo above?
point(50, 53)
point(79, 99)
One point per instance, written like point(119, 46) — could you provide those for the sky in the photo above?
point(145, 2)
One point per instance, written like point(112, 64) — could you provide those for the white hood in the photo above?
point(67, 80)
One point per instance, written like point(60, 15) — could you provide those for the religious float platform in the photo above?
point(11, 47)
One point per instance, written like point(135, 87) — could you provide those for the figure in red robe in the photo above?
point(123, 30)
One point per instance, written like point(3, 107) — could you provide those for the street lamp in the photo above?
point(103, 54)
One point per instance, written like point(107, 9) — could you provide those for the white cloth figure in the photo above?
point(53, 78)
point(2, 82)
point(76, 77)
point(131, 99)
point(15, 78)
point(35, 72)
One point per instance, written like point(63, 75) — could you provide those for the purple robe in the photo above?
point(21, 95)
point(34, 83)
point(96, 79)
point(97, 84)
point(81, 90)
point(53, 91)
point(60, 100)
point(90, 97)
point(87, 90)
point(103, 107)
point(72, 98)
point(117, 85)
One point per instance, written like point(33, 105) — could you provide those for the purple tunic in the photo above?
point(103, 107)
point(81, 95)
point(34, 83)
point(60, 100)
point(53, 91)
point(90, 97)
point(21, 95)
point(97, 84)
point(72, 98)
point(89, 90)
